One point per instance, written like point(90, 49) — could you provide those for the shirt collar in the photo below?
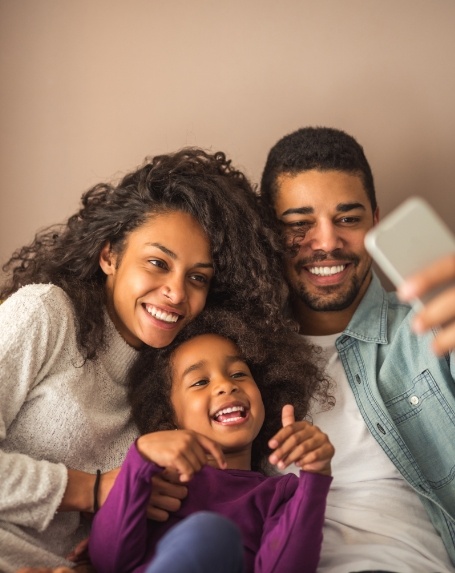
point(369, 322)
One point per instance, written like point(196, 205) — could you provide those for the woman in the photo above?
point(137, 262)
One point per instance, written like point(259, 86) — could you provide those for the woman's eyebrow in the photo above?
point(173, 256)
point(165, 250)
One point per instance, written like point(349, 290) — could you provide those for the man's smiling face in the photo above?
point(325, 216)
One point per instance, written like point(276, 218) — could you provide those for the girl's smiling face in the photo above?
point(161, 279)
point(213, 393)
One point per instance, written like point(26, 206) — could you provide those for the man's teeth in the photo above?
point(326, 271)
point(161, 314)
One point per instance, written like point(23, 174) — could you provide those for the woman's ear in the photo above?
point(108, 260)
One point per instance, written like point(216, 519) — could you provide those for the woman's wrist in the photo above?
point(79, 492)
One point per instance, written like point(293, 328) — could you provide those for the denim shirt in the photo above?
point(406, 395)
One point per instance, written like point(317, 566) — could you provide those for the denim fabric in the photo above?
point(407, 397)
point(204, 542)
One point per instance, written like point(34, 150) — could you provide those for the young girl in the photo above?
point(130, 269)
point(225, 385)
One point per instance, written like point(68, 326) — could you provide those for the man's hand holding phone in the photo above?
point(416, 250)
point(439, 312)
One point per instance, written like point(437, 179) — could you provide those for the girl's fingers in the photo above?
point(288, 438)
point(287, 415)
point(213, 449)
point(306, 446)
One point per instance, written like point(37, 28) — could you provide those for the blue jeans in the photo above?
point(202, 543)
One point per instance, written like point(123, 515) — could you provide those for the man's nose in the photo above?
point(323, 237)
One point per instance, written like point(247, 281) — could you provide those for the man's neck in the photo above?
point(320, 323)
point(323, 322)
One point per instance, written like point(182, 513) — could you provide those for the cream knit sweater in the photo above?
point(55, 413)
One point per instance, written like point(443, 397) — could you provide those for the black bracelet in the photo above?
point(96, 487)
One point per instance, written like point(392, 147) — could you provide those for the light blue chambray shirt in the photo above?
point(406, 396)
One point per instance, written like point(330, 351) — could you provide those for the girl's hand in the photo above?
point(440, 311)
point(301, 443)
point(181, 450)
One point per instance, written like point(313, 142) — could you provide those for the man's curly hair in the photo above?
point(283, 365)
point(248, 267)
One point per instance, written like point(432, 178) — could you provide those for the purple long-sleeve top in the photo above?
point(280, 517)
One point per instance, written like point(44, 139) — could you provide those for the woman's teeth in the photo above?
point(162, 314)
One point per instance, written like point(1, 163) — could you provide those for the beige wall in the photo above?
point(90, 87)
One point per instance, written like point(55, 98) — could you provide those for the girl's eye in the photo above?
point(202, 382)
point(238, 375)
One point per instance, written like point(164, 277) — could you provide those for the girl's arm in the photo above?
point(292, 535)
point(118, 539)
point(119, 542)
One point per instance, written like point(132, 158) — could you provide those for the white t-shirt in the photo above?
point(374, 519)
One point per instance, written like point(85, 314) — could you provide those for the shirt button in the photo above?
point(414, 400)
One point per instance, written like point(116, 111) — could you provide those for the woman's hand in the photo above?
point(439, 312)
point(184, 451)
point(167, 495)
point(301, 443)
point(79, 493)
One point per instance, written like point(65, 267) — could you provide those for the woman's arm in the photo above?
point(31, 488)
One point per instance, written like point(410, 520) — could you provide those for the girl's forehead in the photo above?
point(202, 348)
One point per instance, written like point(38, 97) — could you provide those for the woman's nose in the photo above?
point(174, 290)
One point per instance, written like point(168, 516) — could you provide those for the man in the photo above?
point(392, 504)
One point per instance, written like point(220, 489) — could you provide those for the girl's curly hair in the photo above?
point(283, 365)
point(246, 253)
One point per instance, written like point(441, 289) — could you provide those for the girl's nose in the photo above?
point(225, 386)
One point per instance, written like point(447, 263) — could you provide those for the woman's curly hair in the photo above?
point(246, 253)
point(284, 366)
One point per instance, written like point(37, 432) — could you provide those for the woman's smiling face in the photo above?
point(161, 279)
point(214, 393)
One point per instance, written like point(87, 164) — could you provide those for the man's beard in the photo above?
point(325, 301)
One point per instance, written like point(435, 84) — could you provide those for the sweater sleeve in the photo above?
point(30, 489)
point(292, 535)
point(118, 540)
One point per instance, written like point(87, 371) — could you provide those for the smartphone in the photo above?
point(408, 239)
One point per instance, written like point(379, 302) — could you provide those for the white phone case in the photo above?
point(409, 238)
